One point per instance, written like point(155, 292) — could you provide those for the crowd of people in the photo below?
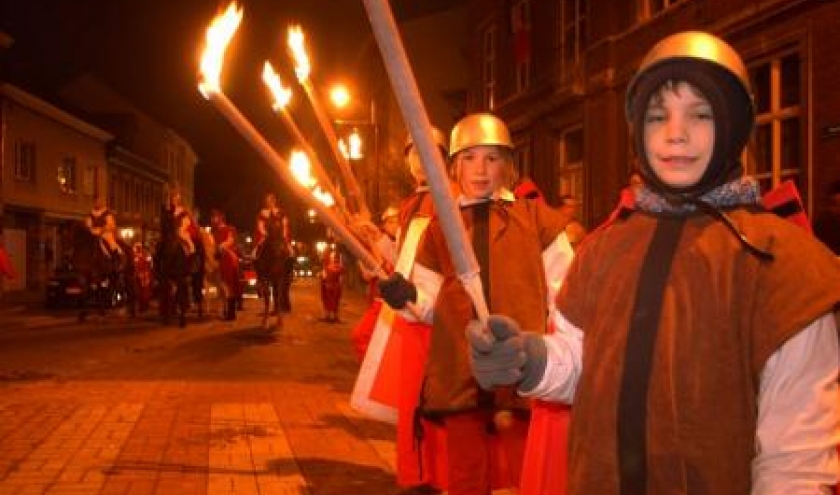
point(687, 345)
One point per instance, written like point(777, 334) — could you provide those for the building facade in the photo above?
point(557, 72)
point(52, 164)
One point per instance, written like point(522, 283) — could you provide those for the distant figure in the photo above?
point(331, 284)
point(224, 237)
point(7, 271)
point(102, 223)
point(827, 224)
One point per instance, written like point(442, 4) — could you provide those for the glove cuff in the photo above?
point(535, 362)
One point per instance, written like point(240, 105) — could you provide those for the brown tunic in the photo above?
point(724, 313)
point(518, 234)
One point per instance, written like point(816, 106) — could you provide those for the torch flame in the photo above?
point(295, 42)
point(302, 170)
point(219, 34)
point(323, 197)
point(280, 93)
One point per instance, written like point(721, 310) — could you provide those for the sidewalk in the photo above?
point(130, 408)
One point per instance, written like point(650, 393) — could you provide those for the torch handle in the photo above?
point(328, 216)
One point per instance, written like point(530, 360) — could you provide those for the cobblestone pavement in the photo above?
point(129, 407)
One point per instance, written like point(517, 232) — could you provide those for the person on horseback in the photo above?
point(101, 222)
point(182, 222)
point(224, 236)
point(266, 218)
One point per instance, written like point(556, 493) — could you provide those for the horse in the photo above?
point(176, 271)
point(106, 281)
point(212, 271)
point(270, 265)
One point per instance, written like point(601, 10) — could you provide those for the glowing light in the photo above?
point(340, 96)
point(295, 40)
point(279, 93)
point(219, 34)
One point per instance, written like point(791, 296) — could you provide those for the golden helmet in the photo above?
point(479, 129)
point(437, 135)
point(690, 45)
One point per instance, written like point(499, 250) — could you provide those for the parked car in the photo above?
point(248, 277)
point(64, 289)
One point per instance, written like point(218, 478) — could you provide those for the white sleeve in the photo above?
point(428, 284)
point(797, 430)
point(564, 363)
point(556, 259)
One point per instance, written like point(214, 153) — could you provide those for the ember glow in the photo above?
point(295, 41)
point(219, 34)
point(280, 94)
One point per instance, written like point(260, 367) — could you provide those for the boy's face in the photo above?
point(679, 135)
point(481, 170)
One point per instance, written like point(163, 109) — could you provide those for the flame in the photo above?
point(219, 34)
point(280, 93)
point(295, 42)
point(302, 170)
point(323, 197)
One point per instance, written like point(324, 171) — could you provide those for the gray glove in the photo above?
point(505, 355)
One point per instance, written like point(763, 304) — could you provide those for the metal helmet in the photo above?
point(479, 129)
point(711, 66)
point(686, 46)
point(437, 135)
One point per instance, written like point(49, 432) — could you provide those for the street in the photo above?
point(119, 406)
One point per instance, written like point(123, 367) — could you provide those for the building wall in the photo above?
point(617, 35)
point(37, 210)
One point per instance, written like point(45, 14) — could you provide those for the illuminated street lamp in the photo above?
point(351, 147)
point(340, 96)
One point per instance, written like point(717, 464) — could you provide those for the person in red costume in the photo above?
point(331, 276)
point(224, 237)
point(514, 241)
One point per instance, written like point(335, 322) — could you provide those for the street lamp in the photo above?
point(352, 145)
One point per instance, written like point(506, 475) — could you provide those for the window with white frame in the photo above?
point(520, 21)
point(26, 158)
point(649, 8)
point(488, 67)
point(779, 151)
point(66, 175)
point(571, 32)
point(570, 168)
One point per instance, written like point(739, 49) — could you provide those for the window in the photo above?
point(67, 175)
point(779, 153)
point(571, 31)
point(570, 152)
point(649, 8)
point(26, 157)
point(520, 21)
point(488, 67)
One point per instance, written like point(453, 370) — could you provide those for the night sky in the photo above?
point(148, 51)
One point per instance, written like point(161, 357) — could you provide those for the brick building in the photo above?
point(557, 71)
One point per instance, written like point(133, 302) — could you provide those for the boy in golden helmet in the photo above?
point(522, 252)
point(695, 331)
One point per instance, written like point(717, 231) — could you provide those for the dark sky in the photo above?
point(148, 51)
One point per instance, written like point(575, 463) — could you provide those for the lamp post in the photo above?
point(341, 98)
